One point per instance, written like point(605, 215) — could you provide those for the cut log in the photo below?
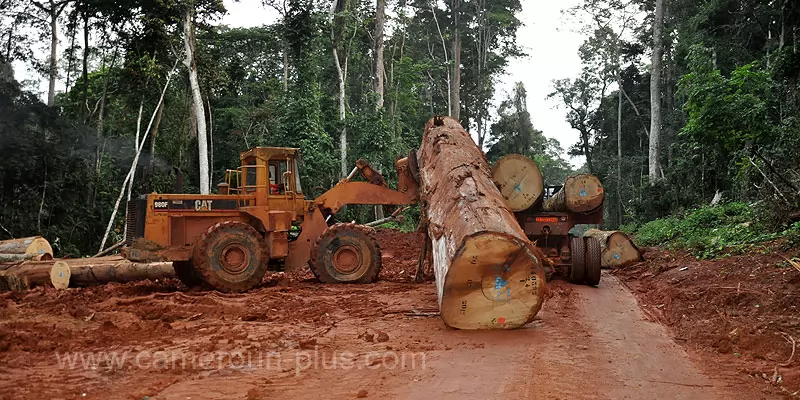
point(581, 193)
point(65, 275)
point(33, 246)
point(519, 180)
point(488, 275)
point(618, 249)
point(25, 275)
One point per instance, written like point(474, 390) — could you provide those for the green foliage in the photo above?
point(709, 232)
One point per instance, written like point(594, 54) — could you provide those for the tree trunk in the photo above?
point(581, 193)
point(85, 66)
point(197, 100)
point(519, 180)
point(488, 275)
point(455, 80)
point(51, 91)
point(65, 274)
point(618, 250)
point(342, 93)
point(654, 171)
point(380, 18)
point(446, 61)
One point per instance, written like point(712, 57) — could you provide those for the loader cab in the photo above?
point(271, 174)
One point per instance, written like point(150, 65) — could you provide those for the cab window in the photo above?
point(276, 171)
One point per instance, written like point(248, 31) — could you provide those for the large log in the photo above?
point(519, 180)
point(581, 193)
point(29, 248)
point(488, 275)
point(618, 250)
point(65, 273)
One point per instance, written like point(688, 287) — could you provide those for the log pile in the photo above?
point(64, 273)
point(488, 275)
point(618, 250)
point(29, 248)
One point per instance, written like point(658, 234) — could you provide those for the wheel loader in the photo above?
point(260, 217)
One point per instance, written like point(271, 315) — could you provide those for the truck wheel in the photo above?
point(231, 257)
point(346, 253)
point(185, 272)
point(593, 254)
point(578, 270)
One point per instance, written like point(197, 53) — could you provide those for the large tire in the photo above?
point(231, 257)
point(185, 272)
point(593, 254)
point(577, 272)
point(346, 253)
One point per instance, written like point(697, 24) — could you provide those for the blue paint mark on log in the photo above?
point(499, 283)
point(518, 188)
point(583, 193)
point(616, 256)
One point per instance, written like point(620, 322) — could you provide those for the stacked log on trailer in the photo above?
point(618, 250)
point(76, 272)
point(488, 275)
point(29, 248)
point(581, 194)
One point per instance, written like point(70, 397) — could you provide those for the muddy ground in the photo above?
point(295, 338)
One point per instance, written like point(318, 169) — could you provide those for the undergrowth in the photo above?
point(718, 231)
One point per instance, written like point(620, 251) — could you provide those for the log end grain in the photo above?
point(519, 180)
point(584, 193)
point(60, 275)
point(495, 281)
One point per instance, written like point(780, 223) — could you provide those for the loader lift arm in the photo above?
point(347, 191)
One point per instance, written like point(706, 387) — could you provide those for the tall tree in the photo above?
point(197, 99)
point(655, 95)
point(380, 19)
point(53, 10)
point(455, 79)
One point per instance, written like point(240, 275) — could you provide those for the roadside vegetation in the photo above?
point(718, 231)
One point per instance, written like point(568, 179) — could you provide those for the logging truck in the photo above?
point(259, 218)
point(549, 216)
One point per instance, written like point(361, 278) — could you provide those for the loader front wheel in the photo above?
point(231, 256)
point(346, 253)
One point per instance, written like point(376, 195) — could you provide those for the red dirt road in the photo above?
point(294, 338)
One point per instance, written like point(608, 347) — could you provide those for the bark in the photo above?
point(618, 250)
point(380, 18)
point(488, 275)
point(455, 81)
point(197, 99)
point(654, 171)
point(519, 180)
point(5, 258)
point(154, 134)
point(581, 193)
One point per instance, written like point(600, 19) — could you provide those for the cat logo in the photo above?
point(202, 205)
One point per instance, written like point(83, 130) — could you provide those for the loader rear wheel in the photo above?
point(578, 270)
point(593, 253)
point(231, 257)
point(185, 272)
point(346, 253)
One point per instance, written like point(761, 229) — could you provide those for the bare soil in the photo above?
point(740, 312)
point(295, 338)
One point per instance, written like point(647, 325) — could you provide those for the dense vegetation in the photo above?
point(347, 79)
